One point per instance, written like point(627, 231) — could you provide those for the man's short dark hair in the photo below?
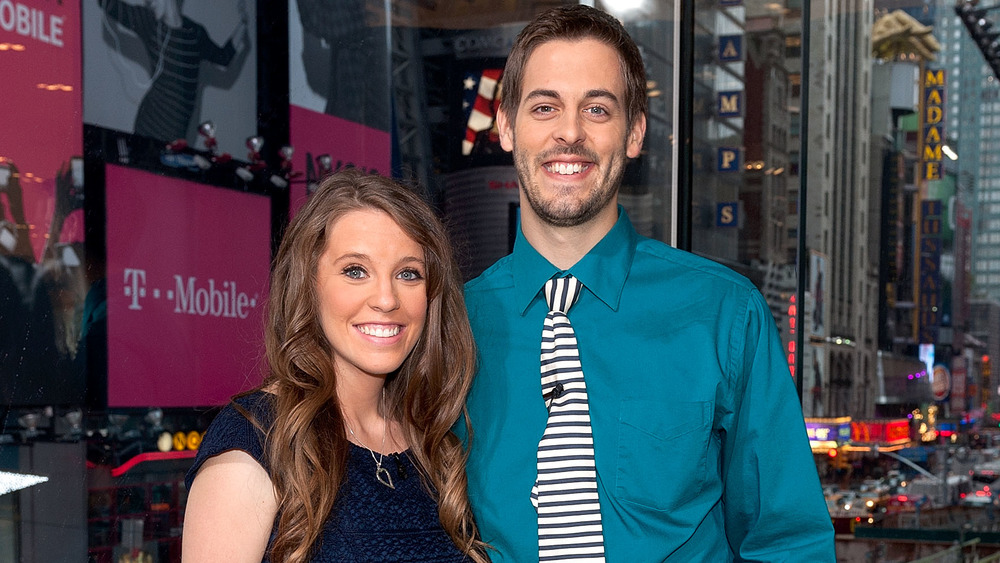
point(574, 23)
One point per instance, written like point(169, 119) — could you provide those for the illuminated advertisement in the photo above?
point(889, 432)
point(42, 278)
point(187, 270)
point(160, 69)
point(339, 91)
point(933, 136)
point(828, 433)
point(930, 300)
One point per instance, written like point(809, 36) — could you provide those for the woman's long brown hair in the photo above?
point(307, 446)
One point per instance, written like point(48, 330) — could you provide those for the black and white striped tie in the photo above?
point(565, 491)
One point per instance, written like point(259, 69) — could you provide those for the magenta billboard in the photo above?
point(42, 261)
point(187, 270)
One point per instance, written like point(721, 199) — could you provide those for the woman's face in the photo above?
point(372, 289)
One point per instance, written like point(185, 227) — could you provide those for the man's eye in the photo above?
point(410, 275)
point(544, 109)
point(597, 111)
point(355, 272)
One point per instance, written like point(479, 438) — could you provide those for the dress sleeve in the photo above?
point(774, 507)
point(232, 430)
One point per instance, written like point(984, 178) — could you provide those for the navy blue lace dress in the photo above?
point(369, 521)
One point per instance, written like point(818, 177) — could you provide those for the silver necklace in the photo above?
point(381, 473)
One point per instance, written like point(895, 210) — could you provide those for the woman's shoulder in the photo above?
point(241, 424)
point(251, 413)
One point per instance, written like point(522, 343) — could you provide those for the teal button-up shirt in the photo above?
point(700, 446)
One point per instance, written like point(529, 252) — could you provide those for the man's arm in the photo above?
point(774, 506)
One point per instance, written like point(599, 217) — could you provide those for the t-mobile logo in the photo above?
point(135, 286)
point(189, 297)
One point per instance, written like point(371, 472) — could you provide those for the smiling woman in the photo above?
point(345, 451)
point(372, 295)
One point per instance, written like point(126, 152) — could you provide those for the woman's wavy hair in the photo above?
point(576, 22)
point(307, 447)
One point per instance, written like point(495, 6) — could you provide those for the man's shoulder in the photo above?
point(682, 265)
point(497, 276)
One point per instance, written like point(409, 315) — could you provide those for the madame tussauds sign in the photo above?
point(187, 268)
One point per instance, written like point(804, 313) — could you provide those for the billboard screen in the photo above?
point(187, 271)
point(160, 69)
point(338, 90)
point(42, 278)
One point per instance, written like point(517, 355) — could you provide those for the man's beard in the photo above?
point(559, 212)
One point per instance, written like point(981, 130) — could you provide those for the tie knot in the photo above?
point(562, 293)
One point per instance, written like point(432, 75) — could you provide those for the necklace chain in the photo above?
point(381, 473)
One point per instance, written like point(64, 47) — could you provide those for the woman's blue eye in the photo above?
point(410, 275)
point(355, 272)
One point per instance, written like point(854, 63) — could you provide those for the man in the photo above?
point(699, 451)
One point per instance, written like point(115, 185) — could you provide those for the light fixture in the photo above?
point(244, 173)
point(165, 442)
point(29, 422)
point(325, 164)
point(155, 418)
point(286, 153)
point(202, 162)
point(255, 144)
point(207, 130)
point(75, 420)
point(286, 173)
point(278, 181)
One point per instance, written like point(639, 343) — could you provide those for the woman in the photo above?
point(175, 46)
point(345, 452)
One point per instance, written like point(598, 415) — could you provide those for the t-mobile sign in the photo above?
point(187, 280)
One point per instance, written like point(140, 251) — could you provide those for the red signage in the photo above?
point(880, 431)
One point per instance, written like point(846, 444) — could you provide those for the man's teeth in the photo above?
point(563, 168)
point(379, 331)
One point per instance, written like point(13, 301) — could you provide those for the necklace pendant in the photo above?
point(382, 474)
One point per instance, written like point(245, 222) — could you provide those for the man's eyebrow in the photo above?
point(540, 93)
point(595, 93)
point(601, 93)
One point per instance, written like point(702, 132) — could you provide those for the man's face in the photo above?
point(570, 138)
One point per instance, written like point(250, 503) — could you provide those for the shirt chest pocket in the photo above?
point(662, 448)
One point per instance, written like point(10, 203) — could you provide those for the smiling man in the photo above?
point(633, 402)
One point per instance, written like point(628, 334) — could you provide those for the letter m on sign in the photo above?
point(933, 78)
point(730, 104)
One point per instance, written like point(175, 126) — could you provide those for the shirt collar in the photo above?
point(602, 270)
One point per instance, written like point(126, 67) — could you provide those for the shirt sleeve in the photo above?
point(774, 507)
point(232, 430)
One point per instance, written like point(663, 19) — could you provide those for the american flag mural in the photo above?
point(480, 97)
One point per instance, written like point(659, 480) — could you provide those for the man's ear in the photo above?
point(505, 128)
point(635, 137)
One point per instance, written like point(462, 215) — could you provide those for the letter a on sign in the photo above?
point(730, 48)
